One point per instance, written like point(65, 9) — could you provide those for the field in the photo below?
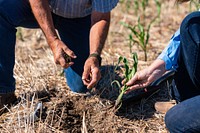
point(46, 104)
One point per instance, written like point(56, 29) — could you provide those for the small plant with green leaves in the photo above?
point(128, 72)
point(127, 4)
point(140, 33)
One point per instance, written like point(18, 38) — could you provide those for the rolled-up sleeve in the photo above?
point(104, 5)
point(170, 54)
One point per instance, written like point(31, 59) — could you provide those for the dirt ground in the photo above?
point(39, 80)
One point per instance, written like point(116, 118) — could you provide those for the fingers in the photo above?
point(65, 59)
point(61, 60)
point(86, 76)
point(67, 55)
point(96, 75)
point(91, 77)
point(69, 52)
point(62, 54)
point(132, 81)
point(123, 81)
point(139, 80)
point(136, 86)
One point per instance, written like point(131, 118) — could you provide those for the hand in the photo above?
point(91, 74)
point(62, 54)
point(143, 78)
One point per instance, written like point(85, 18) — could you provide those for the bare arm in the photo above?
point(99, 31)
point(43, 16)
point(100, 23)
point(42, 13)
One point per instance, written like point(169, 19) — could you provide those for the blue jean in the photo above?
point(185, 116)
point(73, 32)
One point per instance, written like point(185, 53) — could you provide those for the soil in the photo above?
point(69, 113)
point(38, 79)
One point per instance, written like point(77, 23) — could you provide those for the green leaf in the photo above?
point(119, 60)
point(116, 82)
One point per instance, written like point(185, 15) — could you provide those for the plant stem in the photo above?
point(145, 55)
point(119, 98)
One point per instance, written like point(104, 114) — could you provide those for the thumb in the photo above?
point(69, 52)
point(132, 80)
point(85, 74)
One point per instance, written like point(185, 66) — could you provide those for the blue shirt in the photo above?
point(170, 54)
point(80, 8)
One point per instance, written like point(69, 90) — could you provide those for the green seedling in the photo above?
point(127, 4)
point(140, 33)
point(136, 6)
point(128, 72)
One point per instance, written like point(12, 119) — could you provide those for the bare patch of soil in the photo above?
point(38, 79)
point(72, 113)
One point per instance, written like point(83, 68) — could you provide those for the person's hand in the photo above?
point(91, 74)
point(62, 54)
point(143, 78)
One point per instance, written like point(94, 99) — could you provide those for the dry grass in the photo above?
point(39, 83)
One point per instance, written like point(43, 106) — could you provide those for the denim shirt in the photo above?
point(170, 54)
point(80, 8)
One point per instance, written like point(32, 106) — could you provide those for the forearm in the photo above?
point(42, 13)
point(99, 31)
point(158, 65)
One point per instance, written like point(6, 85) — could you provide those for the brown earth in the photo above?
point(39, 80)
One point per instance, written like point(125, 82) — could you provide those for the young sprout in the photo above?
point(129, 72)
point(140, 33)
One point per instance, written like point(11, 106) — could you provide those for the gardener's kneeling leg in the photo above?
point(184, 117)
point(187, 77)
point(74, 81)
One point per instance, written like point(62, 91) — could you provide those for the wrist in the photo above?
point(52, 41)
point(97, 56)
point(157, 65)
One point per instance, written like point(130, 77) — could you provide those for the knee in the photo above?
point(193, 17)
point(169, 121)
point(190, 27)
point(74, 81)
point(173, 120)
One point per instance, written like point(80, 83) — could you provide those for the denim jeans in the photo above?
point(73, 32)
point(185, 116)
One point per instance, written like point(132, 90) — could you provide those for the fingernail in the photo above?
point(74, 56)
